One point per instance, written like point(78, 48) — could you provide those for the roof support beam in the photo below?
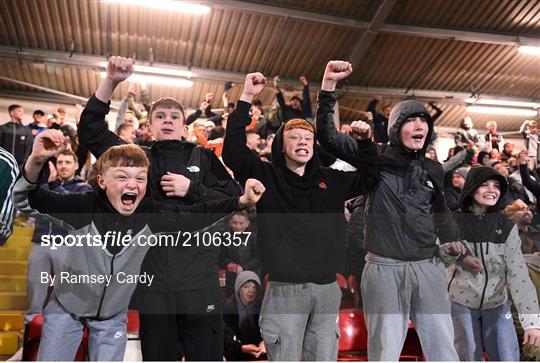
point(418, 31)
point(361, 46)
point(79, 60)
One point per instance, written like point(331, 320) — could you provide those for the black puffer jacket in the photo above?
point(184, 268)
point(17, 139)
point(406, 208)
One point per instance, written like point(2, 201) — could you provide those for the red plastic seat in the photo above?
point(133, 323)
point(32, 340)
point(354, 338)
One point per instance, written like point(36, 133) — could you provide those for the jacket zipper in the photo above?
point(105, 290)
point(486, 277)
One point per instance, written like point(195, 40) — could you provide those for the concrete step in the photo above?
point(13, 268)
point(14, 254)
point(13, 283)
point(12, 301)
point(12, 320)
point(9, 342)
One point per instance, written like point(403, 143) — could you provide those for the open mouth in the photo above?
point(490, 196)
point(128, 199)
point(302, 152)
point(418, 137)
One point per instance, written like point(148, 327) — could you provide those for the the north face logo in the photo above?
point(210, 308)
point(193, 169)
point(429, 184)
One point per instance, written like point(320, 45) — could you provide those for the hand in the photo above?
point(360, 130)
point(262, 347)
point(378, 98)
point(472, 264)
point(231, 267)
point(254, 84)
point(132, 90)
point(209, 96)
point(119, 68)
point(255, 112)
point(48, 144)
point(251, 349)
point(304, 80)
point(253, 191)
point(203, 106)
point(454, 248)
point(369, 116)
point(346, 129)
point(532, 337)
point(523, 157)
point(239, 269)
point(53, 175)
point(175, 185)
point(334, 72)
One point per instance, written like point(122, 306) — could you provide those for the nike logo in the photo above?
point(118, 334)
point(193, 169)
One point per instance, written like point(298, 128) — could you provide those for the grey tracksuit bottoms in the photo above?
point(300, 321)
point(42, 259)
point(62, 334)
point(395, 291)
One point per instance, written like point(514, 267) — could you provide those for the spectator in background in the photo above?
point(8, 173)
point(297, 107)
point(520, 213)
point(507, 151)
point(380, 120)
point(127, 133)
point(14, 137)
point(253, 140)
point(453, 192)
point(39, 124)
point(494, 155)
point(491, 139)
point(205, 106)
point(144, 135)
point(243, 339)
point(529, 131)
point(235, 259)
point(483, 158)
point(466, 134)
point(431, 153)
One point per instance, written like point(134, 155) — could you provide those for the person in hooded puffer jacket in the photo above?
point(406, 213)
point(466, 134)
point(301, 231)
point(480, 306)
point(243, 339)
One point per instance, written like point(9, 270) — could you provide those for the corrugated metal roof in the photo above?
point(238, 41)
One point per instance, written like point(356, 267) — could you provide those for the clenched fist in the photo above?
point(119, 68)
point(253, 192)
point(334, 72)
point(254, 84)
point(48, 144)
point(360, 130)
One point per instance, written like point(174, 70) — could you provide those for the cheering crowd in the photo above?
point(450, 246)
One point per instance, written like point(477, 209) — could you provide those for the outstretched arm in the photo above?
point(93, 130)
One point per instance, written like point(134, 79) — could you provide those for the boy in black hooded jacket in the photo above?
point(406, 213)
point(301, 232)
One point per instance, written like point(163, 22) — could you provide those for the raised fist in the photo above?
point(360, 130)
point(48, 143)
point(119, 68)
point(304, 80)
point(254, 84)
point(254, 190)
point(337, 70)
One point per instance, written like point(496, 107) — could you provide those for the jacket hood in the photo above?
point(244, 277)
point(475, 178)
point(401, 112)
point(278, 156)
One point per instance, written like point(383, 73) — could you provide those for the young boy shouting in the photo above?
point(95, 292)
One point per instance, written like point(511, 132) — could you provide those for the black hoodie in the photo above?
point(300, 220)
point(406, 207)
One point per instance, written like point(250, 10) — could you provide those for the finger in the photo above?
point(170, 194)
point(526, 338)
